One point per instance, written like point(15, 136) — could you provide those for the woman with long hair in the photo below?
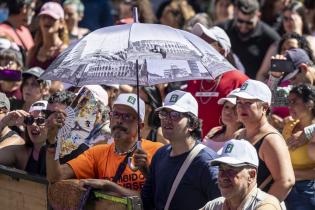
point(51, 38)
point(29, 156)
point(302, 110)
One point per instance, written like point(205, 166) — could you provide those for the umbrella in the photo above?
point(137, 54)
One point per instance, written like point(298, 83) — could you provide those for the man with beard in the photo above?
point(237, 180)
point(250, 37)
point(105, 166)
point(20, 16)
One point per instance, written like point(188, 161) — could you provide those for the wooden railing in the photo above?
point(22, 191)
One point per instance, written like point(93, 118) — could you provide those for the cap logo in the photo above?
point(174, 98)
point(131, 100)
point(229, 148)
point(244, 86)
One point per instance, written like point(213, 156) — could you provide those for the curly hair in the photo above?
point(303, 43)
point(306, 92)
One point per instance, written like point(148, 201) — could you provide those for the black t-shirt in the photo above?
point(252, 49)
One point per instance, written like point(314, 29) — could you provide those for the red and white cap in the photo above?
point(52, 9)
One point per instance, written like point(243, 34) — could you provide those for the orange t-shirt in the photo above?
point(101, 162)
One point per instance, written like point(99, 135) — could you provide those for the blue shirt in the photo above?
point(197, 187)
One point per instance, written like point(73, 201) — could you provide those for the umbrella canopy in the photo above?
point(115, 54)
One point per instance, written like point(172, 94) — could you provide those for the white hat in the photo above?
point(116, 86)
point(237, 153)
point(230, 97)
point(98, 92)
point(180, 101)
point(38, 106)
point(253, 89)
point(130, 99)
point(216, 33)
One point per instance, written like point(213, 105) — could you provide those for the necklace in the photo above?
point(118, 152)
point(213, 88)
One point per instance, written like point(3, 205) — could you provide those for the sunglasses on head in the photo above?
point(120, 115)
point(173, 115)
point(247, 22)
point(29, 120)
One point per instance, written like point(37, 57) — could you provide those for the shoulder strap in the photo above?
point(121, 168)
point(192, 154)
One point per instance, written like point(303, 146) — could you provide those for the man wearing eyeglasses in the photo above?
point(105, 166)
point(181, 126)
point(237, 180)
point(250, 37)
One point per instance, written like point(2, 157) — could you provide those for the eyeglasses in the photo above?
point(124, 116)
point(247, 22)
point(229, 172)
point(173, 115)
point(29, 120)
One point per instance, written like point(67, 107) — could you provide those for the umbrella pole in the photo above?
point(130, 164)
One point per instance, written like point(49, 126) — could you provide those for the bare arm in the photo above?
point(311, 148)
point(8, 156)
point(262, 73)
point(13, 140)
point(108, 186)
point(275, 154)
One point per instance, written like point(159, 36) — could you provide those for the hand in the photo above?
point(14, 118)
point(140, 159)
point(55, 121)
point(277, 74)
point(102, 184)
point(296, 140)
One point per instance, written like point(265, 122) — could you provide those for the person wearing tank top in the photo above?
point(302, 110)
point(275, 172)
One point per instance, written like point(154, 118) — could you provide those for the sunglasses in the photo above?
point(124, 116)
point(173, 115)
point(10, 75)
point(29, 120)
point(246, 22)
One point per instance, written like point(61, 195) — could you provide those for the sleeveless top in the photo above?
point(299, 156)
point(263, 171)
point(8, 135)
point(37, 166)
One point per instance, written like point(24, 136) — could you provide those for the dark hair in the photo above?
point(15, 6)
point(62, 97)
point(303, 43)
point(27, 139)
point(298, 8)
point(194, 122)
point(306, 92)
point(12, 55)
point(155, 101)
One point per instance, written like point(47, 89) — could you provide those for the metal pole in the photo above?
point(135, 15)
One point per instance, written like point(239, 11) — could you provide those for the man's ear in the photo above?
point(252, 174)
point(304, 68)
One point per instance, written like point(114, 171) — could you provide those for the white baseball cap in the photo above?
point(230, 97)
point(38, 106)
point(237, 153)
point(253, 89)
point(130, 99)
point(216, 33)
point(180, 101)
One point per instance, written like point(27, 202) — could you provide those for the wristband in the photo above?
point(49, 145)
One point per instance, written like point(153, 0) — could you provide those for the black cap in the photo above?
point(247, 6)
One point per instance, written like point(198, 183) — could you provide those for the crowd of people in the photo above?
point(242, 140)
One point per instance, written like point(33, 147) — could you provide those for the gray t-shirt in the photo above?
point(257, 199)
